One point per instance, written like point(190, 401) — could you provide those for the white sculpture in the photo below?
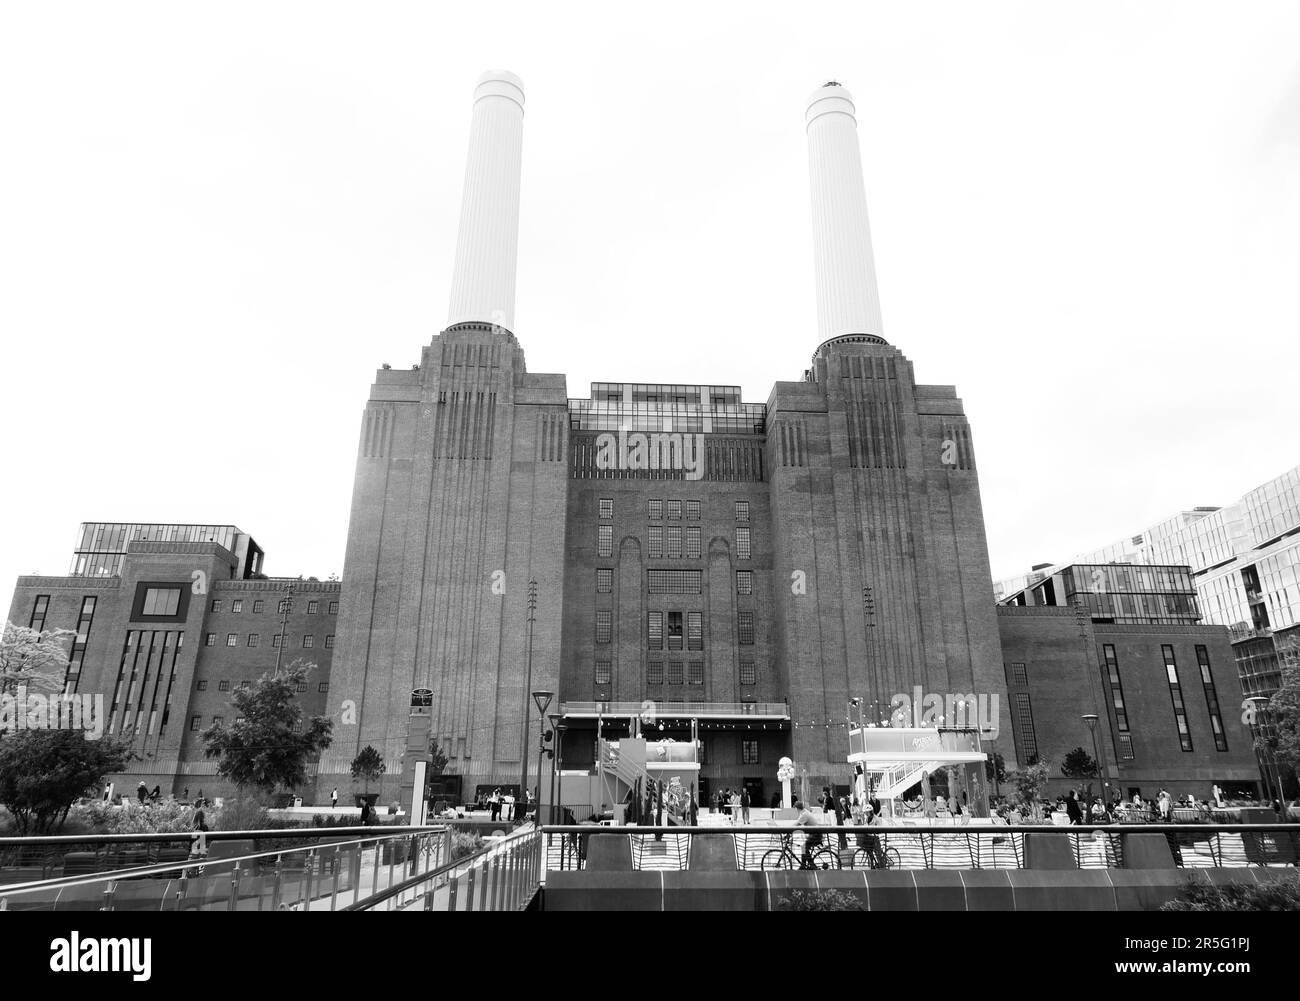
point(784, 773)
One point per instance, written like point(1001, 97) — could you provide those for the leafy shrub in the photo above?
point(244, 814)
point(167, 817)
point(464, 844)
point(820, 900)
point(1202, 895)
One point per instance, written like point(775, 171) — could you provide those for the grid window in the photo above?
point(749, 752)
point(323, 687)
point(604, 625)
point(674, 672)
point(258, 607)
point(334, 608)
point(216, 604)
point(744, 581)
point(654, 630)
point(607, 507)
point(297, 726)
point(313, 607)
point(675, 509)
point(308, 641)
point(37, 621)
point(674, 581)
point(603, 672)
point(745, 626)
point(1024, 716)
point(1176, 696)
point(161, 600)
point(693, 510)
point(195, 723)
point(329, 642)
point(237, 605)
point(692, 542)
point(302, 686)
point(1019, 676)
point(254, 639)
point(674, 542)
point(656, 536)
point(232, 639)
point(655, 510)
point(604, 580)
point(223, 686)
point(695, 672)
point(742, 510)
point(218, 720)
point(276, 640)
point(202, 686)
point(210, 639)
point(1211, 699)
point(1116, 689)
point(654, 672)
point(742, 543)
point(748, 674)
point(674, 630)
point(605, 540)
point(695, 631)
point(1126, 746)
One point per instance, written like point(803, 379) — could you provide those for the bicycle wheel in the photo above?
point(826, 858)
point(861, 859)
point(777, 858)
point(891, 858)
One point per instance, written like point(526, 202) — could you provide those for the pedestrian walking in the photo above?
point(142, 791)
point(744, 806)
point(334, 799)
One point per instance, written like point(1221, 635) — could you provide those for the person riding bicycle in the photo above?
point(813, 839)
point(871, 842)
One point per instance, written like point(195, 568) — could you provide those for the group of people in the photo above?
point(862, 813)
point(1094, 810)
point(148, 797)
point(733, 803)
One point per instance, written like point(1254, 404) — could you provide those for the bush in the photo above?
point(464, 845)
point(820, 900)
point(244, 814)
point(168, 817)
point(1202, 895)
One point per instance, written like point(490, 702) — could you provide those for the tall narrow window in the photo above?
point(654, 631)
point(604, 580)
point(675, 509)
point(742, 510)
point(656, 542)
point(603, 672)
point(693, 510)
point(334, 608)
point(745, 627)
point(210, 639)
point(654, 672)
point(1019, 676)
point(329, 642)
point(692, 542)
point(674, 672)
point(1176, 694)
point(742, 543)
point(749, 752)
point(674, 542)
point(607, 507)
point(655, 510)
point(216, 604)
point(695, 672)
point(744, 581)
point(313, 607)
point(37, 621)
point(604, 624)
point(748, 674)
point(1211, 699)
point(1116, 689)
point(605, 540)
point(694, 630)
point(237, 605)
point(674, 630)
point(1025, 737)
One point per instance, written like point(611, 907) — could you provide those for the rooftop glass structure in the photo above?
point(670, 408)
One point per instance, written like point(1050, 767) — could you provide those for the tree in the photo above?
point(263, 748)
point(43, 771)
point(1028, 781)
point(1078, 764)
point(437, 758)
point(1280, 739)
point(367, 765)
point(32, 657)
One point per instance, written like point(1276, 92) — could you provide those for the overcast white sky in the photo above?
point(217, 221)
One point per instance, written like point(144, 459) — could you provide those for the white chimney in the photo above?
point(847, 299)
point(483, 281)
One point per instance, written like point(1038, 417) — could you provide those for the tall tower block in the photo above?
point(460, 475)
point(874, 493)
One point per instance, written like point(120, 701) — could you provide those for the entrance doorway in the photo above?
point(754, 786)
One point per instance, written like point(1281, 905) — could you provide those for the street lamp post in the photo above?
point(543, 700)
point(523, 741)
point(1091, 719)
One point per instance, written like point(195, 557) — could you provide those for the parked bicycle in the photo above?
point(876, 858)
point(815, 857)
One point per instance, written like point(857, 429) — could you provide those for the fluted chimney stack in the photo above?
point(847, 299)
point(487, 248)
